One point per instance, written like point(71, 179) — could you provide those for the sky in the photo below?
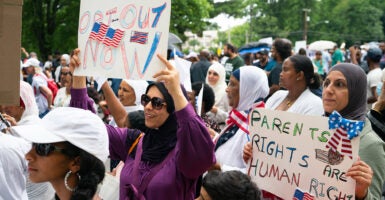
point(226, 22)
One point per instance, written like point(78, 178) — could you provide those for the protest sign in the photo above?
point(292, 153)
point(120, 39)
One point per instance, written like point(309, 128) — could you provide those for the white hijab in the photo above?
point(139, 87)
point(253, 85)
point(220, 87)
point(31, 112)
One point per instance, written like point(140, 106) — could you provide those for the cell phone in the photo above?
point(4, 121)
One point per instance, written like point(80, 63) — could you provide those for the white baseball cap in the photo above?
point(32, 62)
point(79, 127)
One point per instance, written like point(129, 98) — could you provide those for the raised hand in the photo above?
point(170, 78)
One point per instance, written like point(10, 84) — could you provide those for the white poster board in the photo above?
point(299, 45)
point(120, 39)
point(289, 152)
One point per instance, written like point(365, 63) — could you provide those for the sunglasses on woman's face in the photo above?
point(46, 149)
point(156, 102)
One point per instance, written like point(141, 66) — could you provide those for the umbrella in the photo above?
point(253, 47)
point(322, 45)
point(173, 39)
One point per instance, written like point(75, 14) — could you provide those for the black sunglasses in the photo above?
point(156, 102)
point(46, 149)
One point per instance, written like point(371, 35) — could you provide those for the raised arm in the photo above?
point(116, 108)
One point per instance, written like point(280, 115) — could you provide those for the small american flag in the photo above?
point(299, 195)
point(139, 37)
point(113, 37)
point(98, 31)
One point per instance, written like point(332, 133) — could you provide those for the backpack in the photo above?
point(51, 85)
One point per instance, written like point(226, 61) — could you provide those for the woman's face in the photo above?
point(13, 111)
point(126, 94)
point(65, 76)
point(233, 92)
point(63, 61)
point(155, 118)
point(335, 94)
point(213, 77)
point(288, 77)
point(51, 168)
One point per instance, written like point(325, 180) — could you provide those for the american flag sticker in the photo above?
point(300, 195)
point(139, 37)
point(113, 37)
point(98, 31)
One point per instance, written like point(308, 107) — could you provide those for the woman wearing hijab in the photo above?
point(69, 148)
point(216, 79)
point(176, 147)
point(64, 61)
point(298, 78)
point(129, 94)
point(63, 96)
point(247, 88)
point(344, 91)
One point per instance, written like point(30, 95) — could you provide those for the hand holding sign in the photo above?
point(119, 39)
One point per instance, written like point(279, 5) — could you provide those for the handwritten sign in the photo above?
point(290, 152)
point(120, 39)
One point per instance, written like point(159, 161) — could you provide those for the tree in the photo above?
point(189, 15)
point(49, 25)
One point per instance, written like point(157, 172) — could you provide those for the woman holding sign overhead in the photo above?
point(176, 147)
point(344, 91)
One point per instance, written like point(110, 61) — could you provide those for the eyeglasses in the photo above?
point(65, 73)
point(46, 149)
point(156, 102)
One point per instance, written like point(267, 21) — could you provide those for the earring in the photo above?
point(66, 181)
point(297, 79)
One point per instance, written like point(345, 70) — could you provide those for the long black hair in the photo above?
point(91, 172)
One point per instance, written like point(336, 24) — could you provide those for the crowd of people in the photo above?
point(69, 133)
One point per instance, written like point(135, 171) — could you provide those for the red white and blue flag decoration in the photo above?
point(106, 35)
point(299, 195)
point(98, 32)
point(139, 37)
point(113, 37)
point(345, 131)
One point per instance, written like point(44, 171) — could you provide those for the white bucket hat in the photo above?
point(79, 127)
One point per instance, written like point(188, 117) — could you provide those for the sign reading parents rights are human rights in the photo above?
point(292, 152)
point(120, 39)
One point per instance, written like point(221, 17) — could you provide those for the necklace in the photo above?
point(288, 103)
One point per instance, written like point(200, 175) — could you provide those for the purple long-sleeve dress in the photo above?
point(194, 153)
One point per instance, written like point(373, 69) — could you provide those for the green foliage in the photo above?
point(341, 21)
point(189, 15)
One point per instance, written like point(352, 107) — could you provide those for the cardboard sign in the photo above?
point(10, 40)
point(120, 39)
point(290, 154)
